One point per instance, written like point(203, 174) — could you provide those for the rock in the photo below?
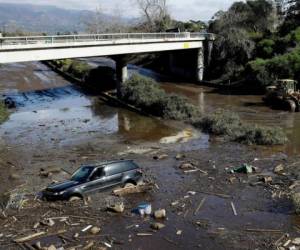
point(267, 179)
point(118, 208)
point(95, 230)
point(179, 157)
point(157, 226)
point(296, 241)
point(279, 168)
point(160, 157)
point(52, 247)
point(160, 214)
point(186, 166)
point(15, 177)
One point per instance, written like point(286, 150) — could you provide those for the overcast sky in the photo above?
point(180, 9)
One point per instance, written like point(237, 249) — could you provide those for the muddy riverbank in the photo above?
point(57, 125)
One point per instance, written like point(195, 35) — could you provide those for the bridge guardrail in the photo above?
point(59, 39)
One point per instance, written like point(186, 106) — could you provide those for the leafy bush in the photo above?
point(228, 124)
point(74, 67)
point(79, 69)
point(282, 66)
point(260, 135)
point(3, 112)
point(146, 94)
point(221, 122)
point(178, 108)
point(265, 48)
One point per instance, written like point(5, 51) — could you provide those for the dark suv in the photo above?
point(92, 178)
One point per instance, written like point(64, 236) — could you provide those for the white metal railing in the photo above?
point(61, 39)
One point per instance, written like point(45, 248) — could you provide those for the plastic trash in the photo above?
point(245, 168)
point(143, 209)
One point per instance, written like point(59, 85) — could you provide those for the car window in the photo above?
point(98, 173)
point(119, 167)
point(82, 173)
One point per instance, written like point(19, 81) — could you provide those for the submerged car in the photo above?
point(93, 178)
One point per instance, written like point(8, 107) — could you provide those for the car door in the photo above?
point(114, 174)
point(96, 181)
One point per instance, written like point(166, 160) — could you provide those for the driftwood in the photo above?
point(29, 237)
point(263, 230)
point(132, 189)
point(199, 206)
point(233, 208)
point(144, 234)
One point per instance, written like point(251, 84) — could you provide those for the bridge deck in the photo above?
point(39, 48)
point(14, 43)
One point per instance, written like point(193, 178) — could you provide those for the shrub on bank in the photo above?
point(220, 122)
point(227, 124)
point(3, 112)
point(79, 69)
point(76, 68)
point(146, 94)
point(261, 135)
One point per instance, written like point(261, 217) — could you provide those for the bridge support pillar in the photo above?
point(121, 73)
point(200, 65)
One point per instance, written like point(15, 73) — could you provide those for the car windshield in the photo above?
point(82, 174)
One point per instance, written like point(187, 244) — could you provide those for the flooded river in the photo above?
point(44, 98)
point(58, 124)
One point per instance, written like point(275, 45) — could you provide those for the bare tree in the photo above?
point(153, 12)
point(99, 22)
point(95, 23)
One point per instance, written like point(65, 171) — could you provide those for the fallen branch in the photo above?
point(199, 206)
point(233, 209)
point(263, 230)
point(216, 194)
point(144, 234)
point(29, 237)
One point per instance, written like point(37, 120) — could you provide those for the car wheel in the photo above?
point(291, 105)
point(74, 198)
point(128, 185)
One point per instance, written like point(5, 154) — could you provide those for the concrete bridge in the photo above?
point(118, 46)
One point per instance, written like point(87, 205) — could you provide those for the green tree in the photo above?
point(237, 31)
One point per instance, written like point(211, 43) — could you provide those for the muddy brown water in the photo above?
point(56, 123)
point(250, 108)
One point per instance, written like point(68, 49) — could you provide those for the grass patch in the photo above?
point(147, 95)
point(3, 112)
